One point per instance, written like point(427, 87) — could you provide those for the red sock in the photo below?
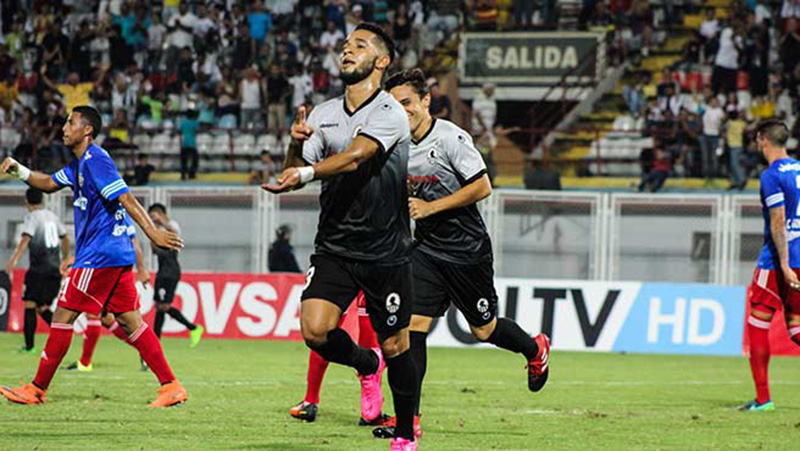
point(90, 337)
point(366, 334)
point(146, 342)
point(54, 351)
point(118, 332)
point(758, 331)
point(316, 372)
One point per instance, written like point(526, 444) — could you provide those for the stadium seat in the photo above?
point(245, 145)
point(267, 142)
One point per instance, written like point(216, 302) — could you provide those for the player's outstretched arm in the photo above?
point(777, 227)
point(476, 191)
point(159, 237)
point(40, 181)
point(142, 275)
point(21, 248)
point(360, 150)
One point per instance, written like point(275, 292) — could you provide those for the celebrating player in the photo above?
point(452, 256)
point(42, 233)
point(101, 279)
point(358, 146)
point(775, 282)
point(167, 278)
point(371, 395)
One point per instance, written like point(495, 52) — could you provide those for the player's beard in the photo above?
point(360, 73)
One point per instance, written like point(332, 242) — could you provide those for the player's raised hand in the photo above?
point(9, 166)
point(300, 129)
point(419, 209)
point(166, 239)
point(289, 180)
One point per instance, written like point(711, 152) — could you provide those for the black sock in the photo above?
point(178, 316)
point(508, 335)
point(47, 316)
point(30, 327)
point(158, 324)
point(403, 382)
point(419, 352)
point(340, 348)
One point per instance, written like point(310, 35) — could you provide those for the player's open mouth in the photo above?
point(347, 61)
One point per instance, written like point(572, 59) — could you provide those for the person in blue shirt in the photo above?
point(775, 284)
point(101, 279)
point(260, 22)
point(189, 157)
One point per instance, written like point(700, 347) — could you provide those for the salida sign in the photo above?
point(530, 58)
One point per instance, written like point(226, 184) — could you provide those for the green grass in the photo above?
point(474, 399)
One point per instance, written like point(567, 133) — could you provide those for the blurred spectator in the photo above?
point(141, 172)
point(330, 36)
point(713, 116)
point(260, 22)
point(156, 33)
point(181, 32)
point(440, 104)
point(734, 137)
point(251, 95)
point(634, 97)
point(277, 94)
point(523, 13)
point(264, 171)
point(484, 113)
point(302, 85)
point(281, 253)
point(244, 48)
point(726, 63)
point(80, 54)
point(708, 31)
point(353, 18)
point(188, 126)
point(654, 180)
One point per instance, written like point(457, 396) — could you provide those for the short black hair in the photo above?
point(773, 130)
point(412, 77)
point(161, 208)
point(382, 36)
point(34, 196)
point(91, 117)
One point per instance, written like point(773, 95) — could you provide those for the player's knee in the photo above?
point(314, 336)
point(394, 346)
point(482, 333)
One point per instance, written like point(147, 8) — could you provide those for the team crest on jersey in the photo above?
point(393, 303)
point(483, 305)
point(357, 131)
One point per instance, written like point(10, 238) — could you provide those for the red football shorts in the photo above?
point(768, 289)
point(92, 290)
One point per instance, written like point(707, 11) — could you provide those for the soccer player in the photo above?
point(452, 255)
point(357, 144)
point(91, 334)
point(46, 238)
point(167, 278)
point(371, 395)
point(775, 282)
point(101, 279)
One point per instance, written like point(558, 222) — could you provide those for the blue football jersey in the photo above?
point(102, 225)
point(780, 187)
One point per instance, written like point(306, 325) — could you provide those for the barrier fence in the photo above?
point(691, 238)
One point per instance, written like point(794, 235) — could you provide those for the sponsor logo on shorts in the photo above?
point(487, 315)
point(392, 320)
point(483, 305)
point(393, 303)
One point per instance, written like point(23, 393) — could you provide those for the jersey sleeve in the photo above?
point(66, 175)
point(464, 157)
point(105, 176)
point(314, 147)
point(386, 124)
point(28, 226)
point(771, 187)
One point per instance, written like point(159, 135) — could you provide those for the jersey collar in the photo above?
point(428, 132)
point(363, 104)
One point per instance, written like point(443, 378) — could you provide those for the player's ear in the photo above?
point(383, 62)
point(426, 101)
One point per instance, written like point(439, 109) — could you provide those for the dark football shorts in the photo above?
point(470, 287)
point(164, 290)
point(387, 288)
point(41, 288)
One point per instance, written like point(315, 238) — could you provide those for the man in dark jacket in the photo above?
point(281, 253)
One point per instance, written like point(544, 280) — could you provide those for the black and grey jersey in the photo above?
point(365, 212)
point(440, 163)
point(45, 231)
point(168, 266)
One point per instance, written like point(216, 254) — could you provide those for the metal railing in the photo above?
point(705, 238)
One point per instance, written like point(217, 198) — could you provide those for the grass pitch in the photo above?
point(474, 399)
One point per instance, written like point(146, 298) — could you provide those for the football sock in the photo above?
point(178, 316)
point(403, 382)
point(366, 334)
point(758, 331)
point(146, 342)
point(419, 352)
point(508, 335)
point(47, 316)
point(158, 324)
point(118, 332)
point(90, 337)
point(316, 372)
point(340, 348)
point(30, 327)
point(54, 351)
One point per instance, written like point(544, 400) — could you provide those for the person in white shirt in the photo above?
point(302, 85)
point(251, 94)
point(484, 111)
point(713, 117)
point(181, 35)
point(726, 63)
point(330, 36)
point(155, 42)
point(708, 31)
